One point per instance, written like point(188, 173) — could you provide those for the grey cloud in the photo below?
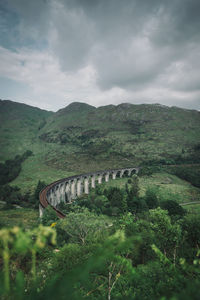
point(177, 23)
point(168, 27)
point(132, 44)
point(33, 18)
point(71, 36)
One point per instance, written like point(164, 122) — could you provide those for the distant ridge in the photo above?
point(13, 104)
point(76, 106)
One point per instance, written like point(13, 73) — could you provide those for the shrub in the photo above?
point(173, 208)
point(49, 217)
point(82, 226)
point(151, 198)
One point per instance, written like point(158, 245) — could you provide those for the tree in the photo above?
point(136, 205)
point(151, 198)
point(101, 204)
point(134, 192)
point(173, 208)
point(117, 200)
point(39, 187)
point(49, 216)
point(81, 226)
point(167, 235)
point(191, 227)
point(10, 195)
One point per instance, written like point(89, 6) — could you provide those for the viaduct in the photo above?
point(68, 189)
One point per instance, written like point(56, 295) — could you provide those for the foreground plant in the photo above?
point(16, 241)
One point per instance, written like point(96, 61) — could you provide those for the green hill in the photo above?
point(81, 138)
point(19, 126)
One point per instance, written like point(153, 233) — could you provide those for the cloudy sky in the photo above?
point(54, 52)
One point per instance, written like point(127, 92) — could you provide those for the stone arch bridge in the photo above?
point(68, 189)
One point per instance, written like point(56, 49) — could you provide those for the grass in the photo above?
point(168, 187)
point(27, 218)
point(33, 170)
point(193, 209)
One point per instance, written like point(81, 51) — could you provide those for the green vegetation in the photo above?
point(114, 249)
point(193, 209)
point(11, 196)
point(11, 168)
point(131, 238)
point(103, 258)
point(189, 174)
point(113, 201)
point(23, 217)
point(168, 187)
point(82, 138)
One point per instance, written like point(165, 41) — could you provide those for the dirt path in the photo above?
point(189, 203)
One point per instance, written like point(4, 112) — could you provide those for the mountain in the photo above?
point(81, 138)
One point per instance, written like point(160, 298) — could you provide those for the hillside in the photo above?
point(126, 132)
point(81, 138)
point(19, 126)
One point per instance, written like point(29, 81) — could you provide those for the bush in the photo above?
point(173, 208)
point(117, 200)
point(151, 198)
point(82, 226)
point(11, 195)
point(191, 174)
point(49, 217)
point(191, 226)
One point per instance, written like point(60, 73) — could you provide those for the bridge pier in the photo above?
point(114, 174)
point(121, 173)
point(100, 179)
point(54, 202)
point(86, 185)
point(73, 191)
point(93, 181)
point(57, 194)
point(41, 210)
point(67, 191)
point(107, 177)
point(79, 187)
point(62, 191)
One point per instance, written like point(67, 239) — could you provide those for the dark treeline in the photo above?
point(188, 173)
point(12, 196)
point(12, 167)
